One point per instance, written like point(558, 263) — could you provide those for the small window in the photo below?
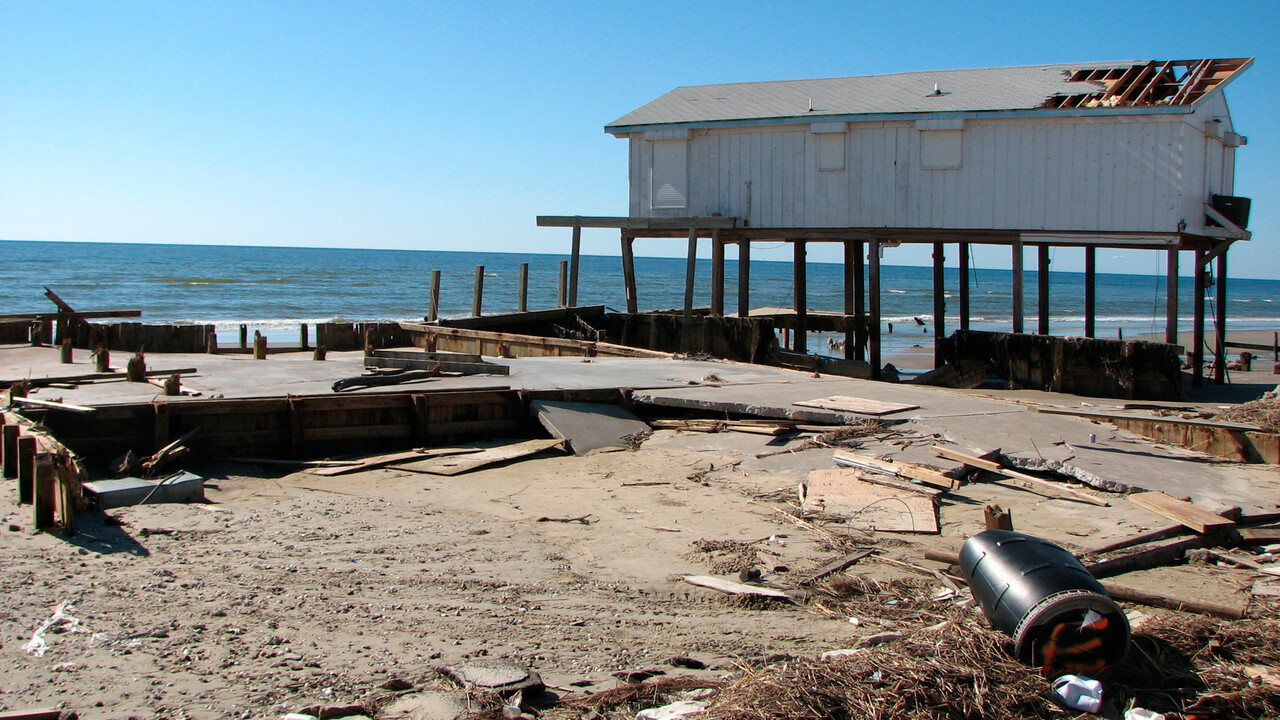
point(831, 151)
point(940, 149)
point(670, 174)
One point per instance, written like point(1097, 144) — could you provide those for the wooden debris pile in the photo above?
point(1264, 413)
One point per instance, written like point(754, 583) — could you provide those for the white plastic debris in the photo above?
point(1079, 692)
point(61, 620)
point(1142, 714)
point(674, 710)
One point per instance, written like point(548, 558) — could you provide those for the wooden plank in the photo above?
point(926, 475)
point(834, 566)
point(734, 588)
point(842, 492)
point(490, 452)
point(994, 467)
point(377, 461)
point(857, 405)
point(1180, 511)
point(32, 402)
point(1260, 535)
point(444, 366)
point(91, 377)
point(78, 315)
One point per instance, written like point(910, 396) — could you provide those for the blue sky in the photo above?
point(443, 126)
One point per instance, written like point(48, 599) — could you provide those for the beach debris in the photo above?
point(180, 487)
point(1180, 511)
point(503, 677)
point(445, 362)
point(677, 709)
point(757, 427)
point(985, 462)
point(588, 427)
point(843, 492)
point(151, 465)
point(430, 705)
point(61, 621)
point(920, 477)
point(384, 377)
point(582, 519)
point(856, 405)
point(487, 452)
point(997, 518)
point(1079, 692)
point(732, 587)
point(1263, 413)
point(835, 566)
point(343, 467)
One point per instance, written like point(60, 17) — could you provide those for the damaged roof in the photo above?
point(1099, 86)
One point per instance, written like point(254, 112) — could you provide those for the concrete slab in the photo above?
point(588, 427)
point(121, 492)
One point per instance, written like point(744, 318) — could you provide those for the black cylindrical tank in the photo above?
point(1060, 618)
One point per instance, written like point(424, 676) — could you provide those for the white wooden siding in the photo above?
point(1102, 174)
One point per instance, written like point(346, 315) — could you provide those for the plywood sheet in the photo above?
point(843, 493)
point(490, 453)
point(860, 406)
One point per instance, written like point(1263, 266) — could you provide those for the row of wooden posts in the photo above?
point(44, 481)
point(567, 296)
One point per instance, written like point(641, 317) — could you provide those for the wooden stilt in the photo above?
point(259, 347)
point(1220, 327)
point(873, 293)
point(801, 299)
point(102, 359)
point(136, 369)
point(629, 273)
point(1017, 286)
point(1197, 327)
point(563, 299)
point(65, 352)
point(717, 274)
point(1090, 298)
point(42, 497)
point(477, 292)
point(26, 468)
point(1042, 281)
point(964, 286)
point(319, 353)
point(939, 304)
point(859, 301)
point(850, 337)
point(1171, 299)
point(433, 309)
point(574, 257)
point(522, 301)
point(304, 337)
point(9, 444)
point(244, 337)
point(691, 263)
point(744, 277)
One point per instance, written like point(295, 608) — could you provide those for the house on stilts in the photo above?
point(1132, 154)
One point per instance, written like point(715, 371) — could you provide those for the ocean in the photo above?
point(275, 289)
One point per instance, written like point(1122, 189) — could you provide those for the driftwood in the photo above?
point(387, 378)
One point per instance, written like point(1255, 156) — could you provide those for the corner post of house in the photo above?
point(1220, 327)
point(964, 286)
point(629, 272)
point(1090, 295)
point(574, 257)
point(1171, 298)
point(939, 302)
point(690, 265)
point(1017, 286)
point(1197, 327)
point(1042, 281)
point(800, 343)
point(717, 274)
point(744, 277)
point(873, 297)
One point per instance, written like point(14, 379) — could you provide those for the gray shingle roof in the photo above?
point(988, 89)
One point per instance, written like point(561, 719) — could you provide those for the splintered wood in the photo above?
point(844, 492)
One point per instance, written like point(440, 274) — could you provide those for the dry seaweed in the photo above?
point(640, 695)
point(723, 557)
point(1263, 413)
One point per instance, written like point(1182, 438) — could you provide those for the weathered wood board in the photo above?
point(842, 492)
point(490, 452)
point(377, 461)
point(734, 588)
point(1180, 511)
point(860, 406)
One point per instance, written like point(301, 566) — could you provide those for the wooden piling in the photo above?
point(1017, 286)
point(1042, 281)
point(690, 266)
point(744, 277)
point(211, 343)
point(433, 309)
point(259, 346)
point(1090, 296)
point(173, 385)
point(477, 292)
point(873, 297)
point(319, 353)
point(26, 468)
point(859, 302)
point(1197, 326)
point(850, 262)
point(65, 351)
point(522, 291)
point(9, 444)
point(304, 337)
point(1220, 327)
point(574, 258)
point(629, 272)
point(43, 502)
point(1171, 298)
point(244, 337)
point(964, 286)
point(939, 303)
point(717, 274)
point(136, 369)
point(801, 298)
point(563, 299)
point(102, 359)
